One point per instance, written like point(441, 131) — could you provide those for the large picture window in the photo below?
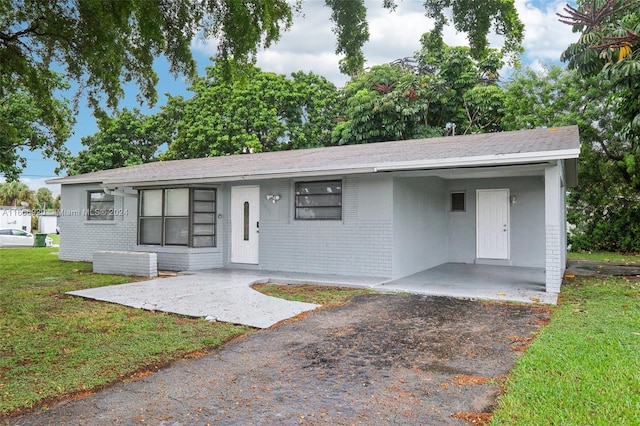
point(177, 217)
point(99, 206)
point(319, 200)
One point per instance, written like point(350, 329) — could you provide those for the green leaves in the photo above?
point(127, 139)
point(25, 124)
point(410, 99)
point(260, 112)
point(477, 19)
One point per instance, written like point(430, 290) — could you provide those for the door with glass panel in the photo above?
point(245, 217)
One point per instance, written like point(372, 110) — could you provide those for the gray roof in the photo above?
point(520, 147)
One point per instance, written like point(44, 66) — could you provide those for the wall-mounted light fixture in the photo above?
point(513, 199)
point(273, 198)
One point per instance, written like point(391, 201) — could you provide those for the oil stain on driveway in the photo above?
point(382, 359)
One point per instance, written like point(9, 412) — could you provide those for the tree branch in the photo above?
point(592, 17)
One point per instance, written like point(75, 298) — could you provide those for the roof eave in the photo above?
point(485, 160)
point(238, 178)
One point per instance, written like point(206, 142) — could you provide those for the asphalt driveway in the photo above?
point(383, 359)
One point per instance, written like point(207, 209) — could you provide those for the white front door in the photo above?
point(492, 224)
point(245, 217)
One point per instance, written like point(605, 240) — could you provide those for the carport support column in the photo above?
point(553, 216)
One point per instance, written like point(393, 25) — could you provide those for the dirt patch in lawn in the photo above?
point(383, 358)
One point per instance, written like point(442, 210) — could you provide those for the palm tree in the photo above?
point(16, 193)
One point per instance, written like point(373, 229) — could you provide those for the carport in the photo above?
point(473, 281)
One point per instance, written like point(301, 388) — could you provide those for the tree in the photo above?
point(603, 207)
point(413, 98)
point(609, 47)
point(102, 45)
point(606, 209)
point(476, 19)
point(15, 193)
point(25, 124)
point(44, 199)
point(389, 102)
point(262, 111)
point(127, 139)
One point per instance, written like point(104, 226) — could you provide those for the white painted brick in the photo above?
point(125, 263)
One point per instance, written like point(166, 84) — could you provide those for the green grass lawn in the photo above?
point(584, 367)
point(605, 257)
point(581, 369)
point(52, 345)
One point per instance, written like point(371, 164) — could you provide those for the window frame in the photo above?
point(191, 221)
point(109, 206)
point(192, 218)
point(297, 206)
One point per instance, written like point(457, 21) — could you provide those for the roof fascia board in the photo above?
point(483, 160)
point(239, 178)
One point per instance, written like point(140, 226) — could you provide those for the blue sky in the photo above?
point(310, 44)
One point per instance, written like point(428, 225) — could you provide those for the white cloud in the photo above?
point(310, 44)
point(545, 36)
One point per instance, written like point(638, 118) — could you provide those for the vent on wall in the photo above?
point(458, 201)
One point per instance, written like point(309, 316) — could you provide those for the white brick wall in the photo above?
point(184, 258)
point(362, 249)
point(80, 238)
point(554, 259)
point(125, 263)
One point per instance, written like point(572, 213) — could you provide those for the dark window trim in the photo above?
point(190, 217)
point(296, 207)
point(192, 212)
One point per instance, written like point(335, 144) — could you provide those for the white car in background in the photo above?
point(15, 238)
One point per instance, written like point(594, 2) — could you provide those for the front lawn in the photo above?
point(583, 367)
point(53, 345)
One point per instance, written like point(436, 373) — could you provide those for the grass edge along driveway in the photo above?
point(581, 369)
point(53, 345)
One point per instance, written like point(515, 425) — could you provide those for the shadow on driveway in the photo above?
point(382, 359)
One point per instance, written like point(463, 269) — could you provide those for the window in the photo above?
point(99, 206)
point(319, 200)
point(177, 217)
point(203, 218)
point(458, 200)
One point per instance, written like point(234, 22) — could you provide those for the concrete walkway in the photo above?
point(220, 295)
point(226, 294)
